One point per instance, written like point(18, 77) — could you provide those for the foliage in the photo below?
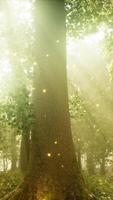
point(16, 110)
point(101, 187)
point(77, 110)
point(9, 181)
point(86, 16)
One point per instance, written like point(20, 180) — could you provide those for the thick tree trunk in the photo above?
point(24, 152)
point(53, 171)
point(52, 153)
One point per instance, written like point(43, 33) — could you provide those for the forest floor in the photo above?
point(100, 186)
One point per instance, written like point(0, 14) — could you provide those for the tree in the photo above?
point(84, 17)
point(53, 171)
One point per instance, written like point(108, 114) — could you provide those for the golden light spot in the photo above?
point(49, 154)
point(97, 105)
point(59, 154)
point(44, 90)
point(47, 55)
point(56, 142)
point(62, 166)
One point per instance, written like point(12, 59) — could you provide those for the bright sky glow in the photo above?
point(2, 22)
point(93, 39)
point(5, 73)
point(22, 10)
point(5, 68)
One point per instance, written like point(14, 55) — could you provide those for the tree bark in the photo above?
point(24, 152)
point(13, 151)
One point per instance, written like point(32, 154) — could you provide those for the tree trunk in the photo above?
point(78, 154)
point(53, 155)
point(24, 153)
point(4, 163)
point(13, 151)
point(53, 172)
point(102, 166)
point(90, 163)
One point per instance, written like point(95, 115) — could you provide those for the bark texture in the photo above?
point(24, 152)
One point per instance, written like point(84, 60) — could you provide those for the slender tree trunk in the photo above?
point(13, 151)
point(79, 156)
point(4, 163)
point(90, 163)
point(102, 166)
